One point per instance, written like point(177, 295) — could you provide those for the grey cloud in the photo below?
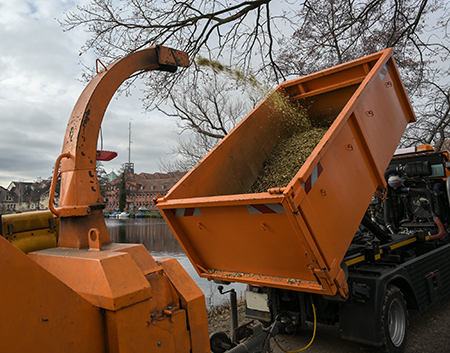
point(39, 72)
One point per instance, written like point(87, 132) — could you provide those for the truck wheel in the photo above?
point(394, 320)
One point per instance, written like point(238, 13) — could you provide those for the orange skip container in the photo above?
point(294, 237)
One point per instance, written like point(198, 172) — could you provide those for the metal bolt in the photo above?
point(159, 343)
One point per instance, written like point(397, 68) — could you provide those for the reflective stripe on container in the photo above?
point(265, 208)
point(186, 212)
point(384, 71)
point(312, 178)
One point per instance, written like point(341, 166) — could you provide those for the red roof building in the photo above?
point(141, 189)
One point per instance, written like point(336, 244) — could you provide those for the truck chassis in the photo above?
point(388, 274)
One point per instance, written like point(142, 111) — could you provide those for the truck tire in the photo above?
point(394, 320)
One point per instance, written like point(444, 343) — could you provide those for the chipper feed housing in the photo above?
point(294, 236)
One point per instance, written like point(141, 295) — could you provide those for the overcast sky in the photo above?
point(40, 68)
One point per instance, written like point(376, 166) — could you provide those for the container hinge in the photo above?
point(273, 191)
point(291, 202)
point(157, 199)
point(325, 274)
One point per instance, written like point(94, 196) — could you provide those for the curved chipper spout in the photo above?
point(80, 201)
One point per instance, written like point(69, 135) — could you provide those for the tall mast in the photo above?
point(129, 167)
point(129, 143)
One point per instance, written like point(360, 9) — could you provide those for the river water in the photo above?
point(156, 236)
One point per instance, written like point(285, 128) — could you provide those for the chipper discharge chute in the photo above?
point(292, 229)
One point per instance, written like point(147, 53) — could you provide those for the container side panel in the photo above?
point(337, 78)
point(383, 118)
point(171, 219)
point(255, 239)
point(352, 73)
point(324, 108)
point(336, 202)
point(366, 107)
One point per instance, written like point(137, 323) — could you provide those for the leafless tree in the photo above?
point(248, 32)
point(275, 40)
point(433, 123)
point(242, 32)
point(335, 31)
point(102, 177)
point(208, 109)
point(187, 153)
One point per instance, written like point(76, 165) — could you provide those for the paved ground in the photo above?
point(428, 333)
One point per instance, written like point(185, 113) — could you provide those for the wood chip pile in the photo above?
point(286, 159)
point(291, 152)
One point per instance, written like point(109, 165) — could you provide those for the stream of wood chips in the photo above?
point(286, 159)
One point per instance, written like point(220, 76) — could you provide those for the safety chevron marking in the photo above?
point(186, 212)
point(265, 208)
point(313, 178)
point(384, 71)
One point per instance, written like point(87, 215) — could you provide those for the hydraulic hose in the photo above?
point(258, 342)
point(387, 211)
point(441, 232)
point(310, 342)
point(375, 229)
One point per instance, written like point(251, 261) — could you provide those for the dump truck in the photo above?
point(352, 236)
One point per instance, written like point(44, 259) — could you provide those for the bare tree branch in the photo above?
point(293, 38)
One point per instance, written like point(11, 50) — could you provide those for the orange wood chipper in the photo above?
point(88, 294)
